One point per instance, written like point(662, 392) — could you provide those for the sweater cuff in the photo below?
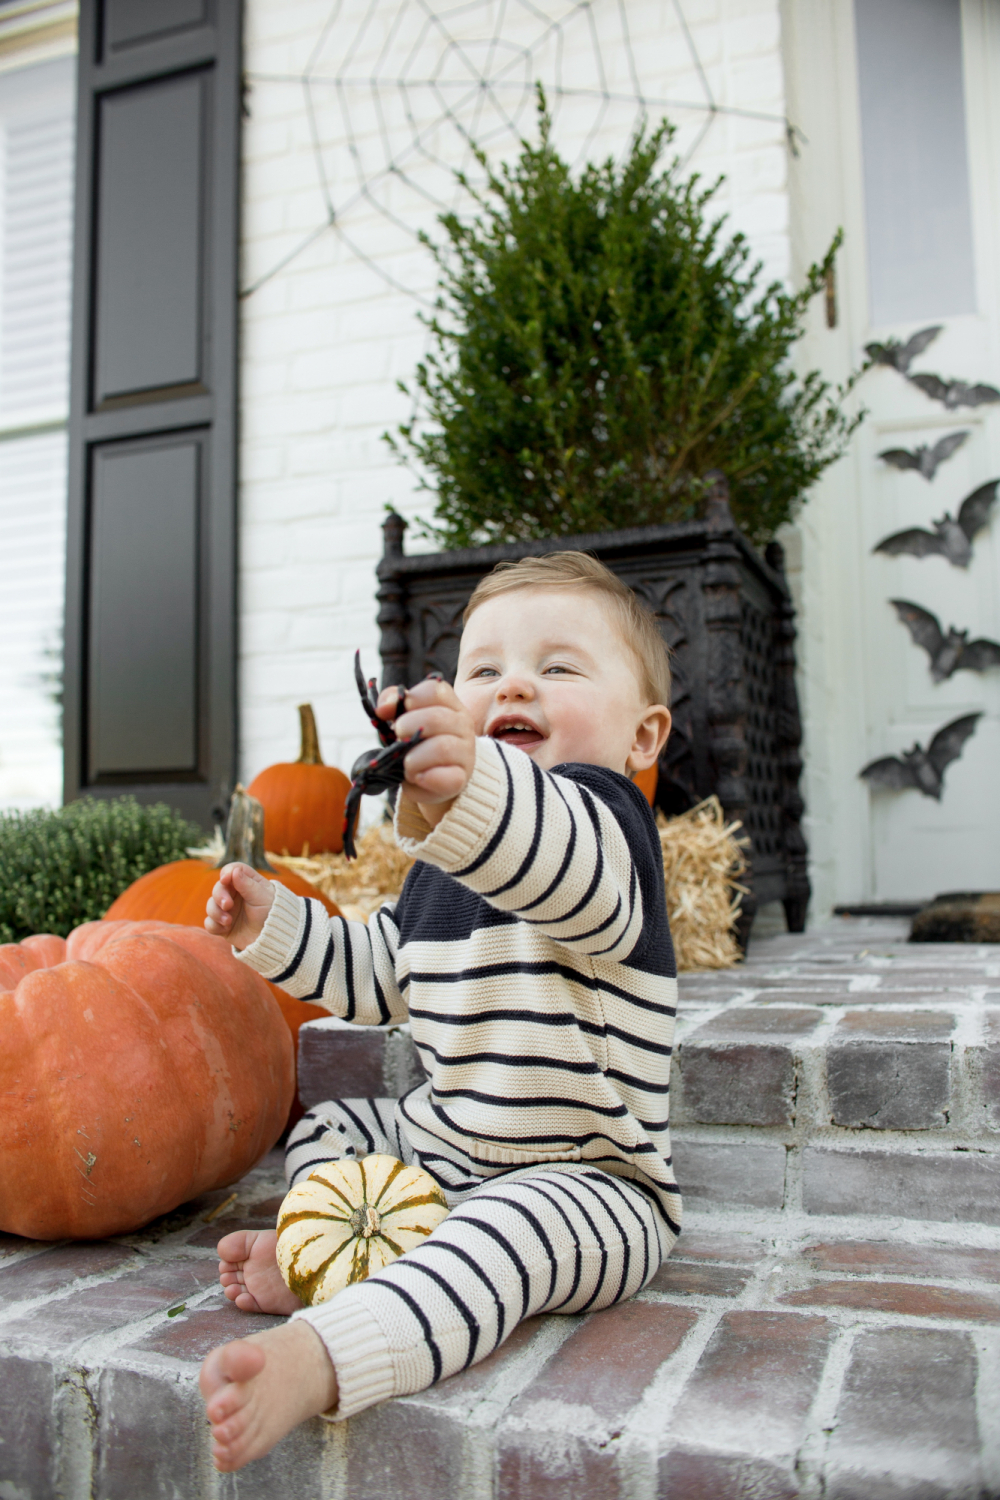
point(468, 824)
point(270, 952)
point(358, 1350)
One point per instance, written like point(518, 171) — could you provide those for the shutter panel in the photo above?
point(150, 592)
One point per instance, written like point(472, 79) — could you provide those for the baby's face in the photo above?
point(546, 670)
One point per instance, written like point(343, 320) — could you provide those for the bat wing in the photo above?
point(980, 655)
point(922, 625)
point(975, 509)
point(945, 447)
point(891, 772)
point(901, 458)
point(931, 385)
point(918, 343)
point(975, 395)
point(916, 542)
point(882, 354)
point(948, 743)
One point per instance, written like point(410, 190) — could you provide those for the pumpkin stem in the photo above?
point(245, 833)
point(309, 755)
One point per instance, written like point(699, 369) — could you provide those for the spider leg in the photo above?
point(351, 809)
point(369, 702)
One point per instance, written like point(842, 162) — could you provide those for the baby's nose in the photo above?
point(515, 685)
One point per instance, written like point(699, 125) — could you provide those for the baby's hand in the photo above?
point(440, 764)
point(239, 904)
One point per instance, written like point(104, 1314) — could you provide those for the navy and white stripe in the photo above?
point(550, 1239)
point(530, 952)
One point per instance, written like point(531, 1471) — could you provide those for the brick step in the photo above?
point(828, 1071)
point(791, 1346)
point(773, 1356)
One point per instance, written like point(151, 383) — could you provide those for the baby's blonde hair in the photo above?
point(636, 624)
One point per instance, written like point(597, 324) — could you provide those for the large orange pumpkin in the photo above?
point(303, 800)
point(179, 891)
point(646, 782)
point(140, 1065)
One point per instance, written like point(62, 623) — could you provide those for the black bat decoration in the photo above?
point(950, 538)
point(922, 768)
point(949, 653)
point(900, 356)
point(954, 393)
point(925, 460)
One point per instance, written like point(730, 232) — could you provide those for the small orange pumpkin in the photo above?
point(303, 800)
point(179, 891)
point(646, 782)
point(140, 1065)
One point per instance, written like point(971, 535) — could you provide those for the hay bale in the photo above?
point(702, 860)
point(358, 886)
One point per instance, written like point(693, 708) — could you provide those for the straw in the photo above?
point(702, 861)
point(358, 886)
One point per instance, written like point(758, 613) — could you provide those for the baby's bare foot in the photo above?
point(257, 1389)
point(248, 1270)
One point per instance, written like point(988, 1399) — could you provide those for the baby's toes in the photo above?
point(235, 1248)
point(231, 1430)
point(245, 1301)
point(224, 1374)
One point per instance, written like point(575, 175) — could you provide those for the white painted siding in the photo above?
point(36, 166)
point(32, 543)
point(325, 339)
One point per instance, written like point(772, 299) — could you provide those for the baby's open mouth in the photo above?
point(518, 732)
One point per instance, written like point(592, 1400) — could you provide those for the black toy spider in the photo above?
point(378, 770)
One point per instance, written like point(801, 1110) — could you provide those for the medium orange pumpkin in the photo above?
point(646, 782)
point(179, 891)
point(140, 1065)
point(303, 800)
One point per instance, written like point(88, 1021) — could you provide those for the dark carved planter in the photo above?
point(727, 616)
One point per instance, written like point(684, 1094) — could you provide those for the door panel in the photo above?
point(149, 189)
point(128, 22)
point(144, 610)
point(915, 159)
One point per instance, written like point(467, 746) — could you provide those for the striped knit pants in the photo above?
point(557, 1238)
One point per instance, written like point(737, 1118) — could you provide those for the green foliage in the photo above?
point(598, 348)
point(58, 869)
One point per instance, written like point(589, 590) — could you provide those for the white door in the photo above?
point(897, 102)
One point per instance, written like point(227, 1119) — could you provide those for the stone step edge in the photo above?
point(927, 1088)
point(715, 1169)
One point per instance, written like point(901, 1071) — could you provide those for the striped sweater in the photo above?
point(530, 952)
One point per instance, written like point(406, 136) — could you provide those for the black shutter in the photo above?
point(150, 681)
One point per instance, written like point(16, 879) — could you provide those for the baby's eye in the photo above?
point(483, 672)
point(558, 667)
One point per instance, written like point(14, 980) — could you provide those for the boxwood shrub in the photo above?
point(60, 868)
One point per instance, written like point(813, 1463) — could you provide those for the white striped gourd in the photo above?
point(351, 1218)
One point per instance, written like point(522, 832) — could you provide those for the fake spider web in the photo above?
point(397, 95)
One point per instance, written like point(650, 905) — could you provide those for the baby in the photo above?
point(529, 951)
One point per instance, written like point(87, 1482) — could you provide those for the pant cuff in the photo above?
point(358, 1350)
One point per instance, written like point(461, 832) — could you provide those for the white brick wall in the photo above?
point(325, 339)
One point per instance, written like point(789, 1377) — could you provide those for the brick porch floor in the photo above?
point(829, 1325)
